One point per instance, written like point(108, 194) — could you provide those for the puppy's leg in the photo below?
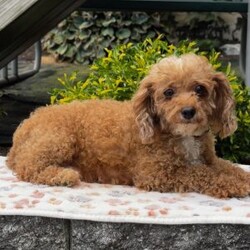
point(210, 180)
point(44, 160)
point(237, 179)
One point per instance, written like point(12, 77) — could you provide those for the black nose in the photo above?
point(188, 112)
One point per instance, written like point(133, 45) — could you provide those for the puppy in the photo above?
point(162, 140)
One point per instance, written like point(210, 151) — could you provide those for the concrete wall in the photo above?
point(28, 233)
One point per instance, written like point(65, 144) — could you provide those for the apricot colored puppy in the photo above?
point(162, 140)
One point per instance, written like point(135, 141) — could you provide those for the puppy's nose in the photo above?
point(188, 112)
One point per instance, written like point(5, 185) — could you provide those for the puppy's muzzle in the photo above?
point(188, 113)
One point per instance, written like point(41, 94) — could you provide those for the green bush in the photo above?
point(118, 74)
point(82, 36)
point(236, 147)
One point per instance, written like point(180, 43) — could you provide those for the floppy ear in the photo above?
point(224, 119)
point(144, 108)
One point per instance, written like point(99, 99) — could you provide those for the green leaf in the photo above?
point(70, 52)
point(58, 39)
point(69, 35)
point(140, 18)
point(62, 24)
point(62, 49)
point(106, 23)
point(77, 21)
point(107, 32)
point(123, 33)
point(85, 25)
point(83, 34)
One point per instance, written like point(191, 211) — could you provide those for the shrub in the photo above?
point(82, 36)
point(118, 74)
point(236, 147)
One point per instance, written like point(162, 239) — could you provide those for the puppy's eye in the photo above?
point(200, 90)
point(169, 93)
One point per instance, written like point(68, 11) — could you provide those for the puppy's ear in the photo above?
point(144, 108)
point(224, 120)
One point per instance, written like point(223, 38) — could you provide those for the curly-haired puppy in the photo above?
point(162, 140)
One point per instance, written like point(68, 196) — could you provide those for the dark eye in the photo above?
point(200, 90)
point(169, 93)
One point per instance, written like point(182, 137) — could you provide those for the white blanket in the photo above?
point(113, 203)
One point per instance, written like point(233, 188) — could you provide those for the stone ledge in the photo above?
point(27, 233)
point(92, 235)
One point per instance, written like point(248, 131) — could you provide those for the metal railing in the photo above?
point(13, 73)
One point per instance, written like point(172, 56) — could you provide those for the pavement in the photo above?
point(19, 100)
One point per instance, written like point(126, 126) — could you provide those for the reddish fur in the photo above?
point(144, 142)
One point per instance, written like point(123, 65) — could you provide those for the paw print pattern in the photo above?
point(116, 203)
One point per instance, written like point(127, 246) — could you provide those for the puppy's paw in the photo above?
point(238, 189)
point(66, 177)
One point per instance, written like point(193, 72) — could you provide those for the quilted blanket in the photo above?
point(114, 203)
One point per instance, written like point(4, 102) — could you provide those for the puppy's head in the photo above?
point(186, 97)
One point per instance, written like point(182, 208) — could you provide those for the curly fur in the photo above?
point(145, 142)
